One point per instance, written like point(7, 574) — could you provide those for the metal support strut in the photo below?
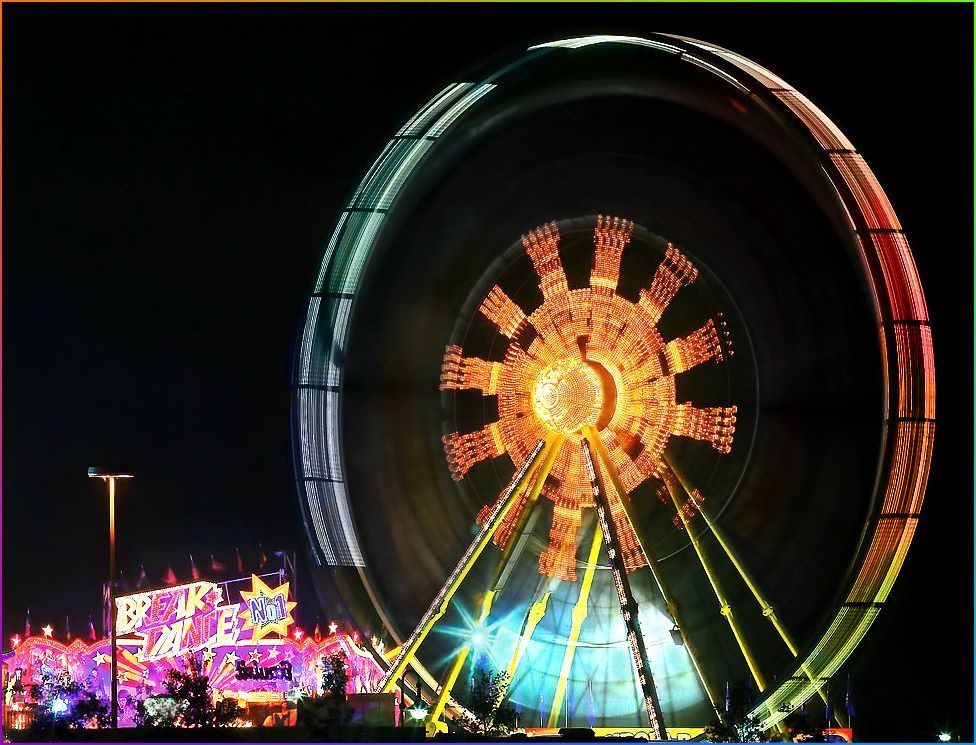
point(670, 601)
point(628, 605)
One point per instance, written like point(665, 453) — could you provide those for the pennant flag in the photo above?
point(240, 561)
point(263, 557)
point(217, 566)
point(728, 698)
point(27, 629)
point(317, 634)
point(170, 577)
point(193, 569)
point(142, 576)
point(91, 629)
point(67, 628)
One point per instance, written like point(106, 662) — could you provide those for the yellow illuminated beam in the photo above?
point(670, 602)
point(536, 614)
point(542, 456)
point(725, 608)
point(579, 615)
point(434, 723)
point(767, 609)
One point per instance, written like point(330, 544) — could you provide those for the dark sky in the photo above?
point(170, 174)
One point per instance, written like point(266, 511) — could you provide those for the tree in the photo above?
point(735, 725)
point(322, 717)
point(489, 712)
point(62, 704)
point(187, 702)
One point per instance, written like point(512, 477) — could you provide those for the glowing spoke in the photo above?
point(702, 345)
point(715, 425)
point(671, 275)
point(501, 310)
point(611, 237)
point(542, 246)
point(463, 451)
point(459, 372)
point(559, 558)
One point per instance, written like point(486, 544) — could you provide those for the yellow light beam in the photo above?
point(579, 615)
point(434, 725)
point(725, 608)
point(767, 608)
point(543, 453)
point(536, 614)
point(670, 602)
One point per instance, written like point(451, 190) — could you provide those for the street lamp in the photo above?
point(109, 476)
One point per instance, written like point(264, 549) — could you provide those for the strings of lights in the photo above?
point(587, 357)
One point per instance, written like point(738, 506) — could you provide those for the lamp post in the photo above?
point(109, 476)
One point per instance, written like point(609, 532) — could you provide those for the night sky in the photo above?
point(170, 174)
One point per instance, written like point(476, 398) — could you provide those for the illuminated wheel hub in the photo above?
point(569, 396)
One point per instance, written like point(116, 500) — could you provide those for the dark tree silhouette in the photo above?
point(490, 713)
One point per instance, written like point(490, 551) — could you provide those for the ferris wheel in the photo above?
point(618, 378)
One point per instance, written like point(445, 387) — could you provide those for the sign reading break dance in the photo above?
point(241, 639)
point(189, 618)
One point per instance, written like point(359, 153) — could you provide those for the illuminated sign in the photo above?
point(247, 649)
point(178, 620)
point(281, 671)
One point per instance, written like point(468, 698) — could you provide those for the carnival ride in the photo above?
point(666, 516)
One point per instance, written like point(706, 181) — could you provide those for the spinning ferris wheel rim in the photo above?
point(875, 236)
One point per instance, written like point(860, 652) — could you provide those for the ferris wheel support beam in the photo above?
point(628, 605)
point(537, 612)
point(434, 724)
point(544, 453)
point(670, 601)
point(765, 606)
point(725, 608)
point(580, 611)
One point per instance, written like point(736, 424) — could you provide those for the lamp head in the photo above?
point(96, 472)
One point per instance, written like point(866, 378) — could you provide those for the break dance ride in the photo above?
point(523, 438)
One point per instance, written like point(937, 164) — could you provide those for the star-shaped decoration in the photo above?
point(145, 674)
point(261, 593)
point(48, 630)
point(333, 627)
point(273, 652)
point(101, 659)
point(208, 655)
point(254, 657)
point(231, 658)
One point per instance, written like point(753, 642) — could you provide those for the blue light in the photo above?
point(59, 706)
point(479, 638)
